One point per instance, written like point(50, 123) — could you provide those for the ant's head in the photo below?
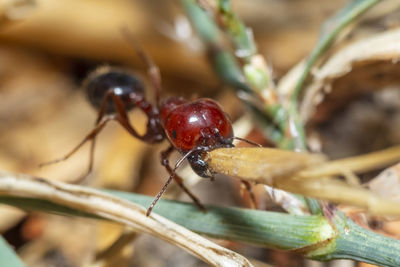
point(192, 124)
point(199, 165)
point(195, 127)
point(122, 83)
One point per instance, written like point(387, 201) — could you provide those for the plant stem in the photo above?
point(357, 243)
point(313, 236)
point(252, 82)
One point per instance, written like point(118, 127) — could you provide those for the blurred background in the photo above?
point(48, 47)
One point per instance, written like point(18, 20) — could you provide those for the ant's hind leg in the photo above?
point(82, 179)
point(90, 137)
point(152, 69)
point(100, 115)
point(99, 125)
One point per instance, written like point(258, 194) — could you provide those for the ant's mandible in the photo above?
point(191, 127)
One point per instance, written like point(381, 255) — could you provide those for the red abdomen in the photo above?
point(198, 123)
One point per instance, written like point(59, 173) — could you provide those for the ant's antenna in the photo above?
point(158, 196)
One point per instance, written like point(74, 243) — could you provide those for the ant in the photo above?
point(191, 127)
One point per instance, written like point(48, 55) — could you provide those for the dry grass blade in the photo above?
point(261, 165)
point(338, 191)
point(370, 62)
point(288, 170)
point(358, 164)
point(387, 185)
point(16, 9)
point(121, 211)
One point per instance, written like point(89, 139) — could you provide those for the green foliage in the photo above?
point(313, 236)
point(7, 255)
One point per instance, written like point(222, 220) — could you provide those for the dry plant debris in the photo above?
point(308, 174)
point(120, 211)
point(363, 66)
point(284, 31)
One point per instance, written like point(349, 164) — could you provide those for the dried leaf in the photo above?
point(9, 217)
point(365, 65)
point(287, 201)
point(121, 211)
point(387, 183)
point(329, 33)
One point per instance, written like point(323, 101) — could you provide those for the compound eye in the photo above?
point(173, 134)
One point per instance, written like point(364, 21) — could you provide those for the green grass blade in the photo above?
point(313, 236)
point(7, 255)
point(329, 32)
point(261, 228)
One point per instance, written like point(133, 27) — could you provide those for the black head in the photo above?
point(197, 162)
point(123, 83)
point(199, 165)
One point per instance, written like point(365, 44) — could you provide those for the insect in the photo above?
point(191, 127)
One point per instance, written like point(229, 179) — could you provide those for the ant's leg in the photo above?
point(88, 137)
point(165, 162)
point(253, 202)
point(247, 141)
point(100, 116)
point(81, 179)
point(122, 118)
point(103, 106)
point(152, 69)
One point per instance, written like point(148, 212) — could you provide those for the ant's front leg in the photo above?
point(165, 162)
